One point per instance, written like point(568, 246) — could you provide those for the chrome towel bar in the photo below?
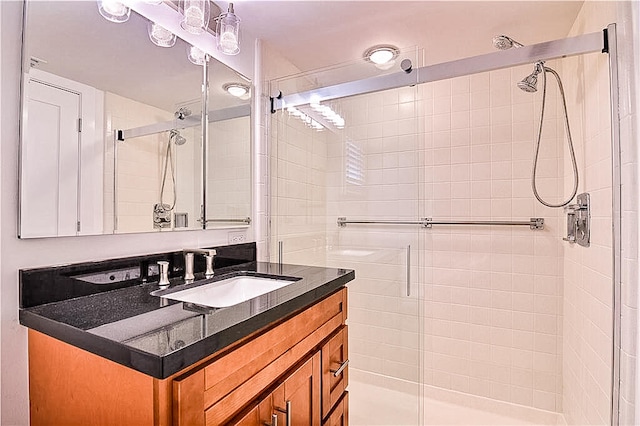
point(427, 222)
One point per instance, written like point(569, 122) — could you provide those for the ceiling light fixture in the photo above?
point(114, 11)
point(195, 15)
point(383, 56)
point(236, 89)
point(228, 31)
point(160, 36)
point(196, 56)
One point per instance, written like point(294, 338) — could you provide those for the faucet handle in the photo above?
point(164, 274)
point(209, 260)
point(188, 267)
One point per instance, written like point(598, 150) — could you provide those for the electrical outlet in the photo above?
point(237, 237)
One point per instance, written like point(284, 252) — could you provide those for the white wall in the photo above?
point(16, 254)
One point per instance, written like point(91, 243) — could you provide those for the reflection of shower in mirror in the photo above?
point(177, 138)
point(182, 113)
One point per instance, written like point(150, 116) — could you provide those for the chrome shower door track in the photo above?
point(587, 43)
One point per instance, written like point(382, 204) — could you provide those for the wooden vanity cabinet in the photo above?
point(246, 384)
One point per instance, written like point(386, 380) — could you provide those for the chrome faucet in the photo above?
point(188, 262)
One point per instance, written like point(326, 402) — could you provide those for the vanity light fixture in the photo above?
point(196, 56)
point(383, 56)
point(238, 90)
point(195, 15)
point(228, 32)
point(114, 11)
point(160, 36)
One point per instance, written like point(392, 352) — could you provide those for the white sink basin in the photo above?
point(229, 292)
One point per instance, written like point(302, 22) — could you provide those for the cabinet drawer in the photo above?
point(340, 414)
point(335, 369)
point(216, 392)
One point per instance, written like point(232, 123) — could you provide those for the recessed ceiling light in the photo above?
point(382, 56)
point(236, 89)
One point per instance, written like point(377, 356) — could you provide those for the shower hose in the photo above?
point(569, 141)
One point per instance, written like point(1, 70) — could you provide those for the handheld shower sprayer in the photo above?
point(529, 84)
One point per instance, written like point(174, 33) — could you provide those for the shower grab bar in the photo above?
point(246, 220)
point(427, 222)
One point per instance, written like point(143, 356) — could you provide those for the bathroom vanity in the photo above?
point(129, 356)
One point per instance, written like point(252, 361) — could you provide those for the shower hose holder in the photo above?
point(579, 221)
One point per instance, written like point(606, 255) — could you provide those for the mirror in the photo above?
point(111, 135)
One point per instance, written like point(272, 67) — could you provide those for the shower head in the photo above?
point(182, 113)
point(177, 138)
point(503, 42)
point(529, 83)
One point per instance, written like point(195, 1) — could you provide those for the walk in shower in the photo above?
point(471, 304)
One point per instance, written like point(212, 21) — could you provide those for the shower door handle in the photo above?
point(409, 270)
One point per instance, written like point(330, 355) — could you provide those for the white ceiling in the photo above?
point(316, 34)
point(310, 34)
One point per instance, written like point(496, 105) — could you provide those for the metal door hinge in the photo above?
point(78, 226)
point(79, 125)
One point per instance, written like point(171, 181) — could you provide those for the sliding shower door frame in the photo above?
point(604, 42)
point(587, 43)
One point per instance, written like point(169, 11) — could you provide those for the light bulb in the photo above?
point(381, 56)
point(160, 36)
point(196, 56)
point(195, 16)
point(114, 11)
point(228, 42)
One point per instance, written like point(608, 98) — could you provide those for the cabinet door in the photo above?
point(340, 414)
point(335, 373)
point(260, 415)
point(297, 400)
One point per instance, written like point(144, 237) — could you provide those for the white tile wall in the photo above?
point(588, 274)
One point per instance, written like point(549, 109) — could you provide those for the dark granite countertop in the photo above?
point(160, 337)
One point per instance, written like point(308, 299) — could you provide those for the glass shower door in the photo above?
point(365, 168)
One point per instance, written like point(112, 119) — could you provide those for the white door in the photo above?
point(50, 167)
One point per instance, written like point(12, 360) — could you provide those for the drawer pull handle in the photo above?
point(274, 421)
point(287, 413)
point(337, 372)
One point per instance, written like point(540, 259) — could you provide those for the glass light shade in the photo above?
point(114, 11)
point(195, 55)
point(381, 56)
point(228, 31)
point(196, 15)
point(236, 89)
point(160, 36)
